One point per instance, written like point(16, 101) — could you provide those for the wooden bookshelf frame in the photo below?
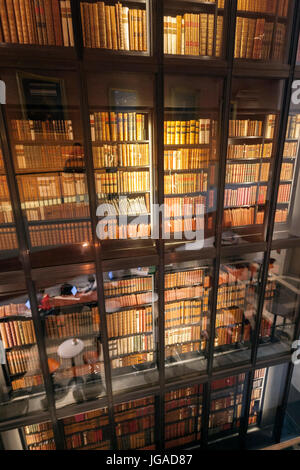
point(97, 259)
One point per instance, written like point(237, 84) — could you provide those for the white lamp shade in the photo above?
point(70, 348)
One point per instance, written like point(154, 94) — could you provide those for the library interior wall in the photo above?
point(273, 393)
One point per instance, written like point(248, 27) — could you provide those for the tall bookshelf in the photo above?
point(38, 436)
point(257, 397)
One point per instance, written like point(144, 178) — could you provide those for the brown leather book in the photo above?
point(258, 38)
point(87, 30)
point(12, 21)
point(108, 27)
point(144, 22)
point(4, 22)
point(24, 22)
point(113, 28)
point(97, 26)
point(92, 23)
point(29, 12)
point(17, 11)
point(57, 23)
point(37, 15)
point(49, 22)
point(43, 21)
point(102, 24)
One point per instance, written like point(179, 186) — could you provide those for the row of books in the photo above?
point(46, 22)
point(85, 421)
point(228, 317)
point(245, 128)
point(133, 426)
point(132, 359)
point(28, 381)
point(51, 187)
point(130, 206)
point(113, 27)
point(184, 312)
point(293, 127)
point(180, 429)
point(17, 333)
point(131, 344)
point(228, 336)
point(113, 231)
point(281, 215)
point(121, 155)
point(177, 349)
point(128, 300)
point(182, 335)
point(39, 437)
point(186, 278)
point(180, 183)
point(193, 34)
point(287, 170)
point(10, 310)
point(247, 173)
point(8, 239)
point(185, 206)
point(233, 274)
point(136, 441)
point(245, 196)
point(122, 182)
point(65, 210)
point(249, 151)
point(181, 414)
point(284, 193)
point(195, 131)
point(27, 129)
point(186, 159)
point(127, 286)
point(129, 322)
point(81, 323)
point(254, 38)
point(44, 157)
point(290, 149)
point(22, 360)
point(186, 292)
point(270, 7)
point(83, 439)
point(4, 192)
point(60, 234)
point(239, 217)
point(111, 126)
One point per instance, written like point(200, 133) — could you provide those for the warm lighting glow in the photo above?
point(85, 244)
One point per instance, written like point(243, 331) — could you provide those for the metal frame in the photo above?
point(79, 61)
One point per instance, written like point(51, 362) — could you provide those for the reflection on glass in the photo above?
point(257, 397)
point(39, 436)
point(134, 422)
point(121, 134)
point(21, 380)
point(194, 29)
point(46, 135)
point(291, 426)
point(287, 209)
point(226, 406)
point(71, 325)
point(236, 309)
point(266, 399)
point(116, 27)
point(252, 132)
point(131, 312)
point(187, 317)
point(87, 431)
point(8, 238)
point(281, 306)
point(261, 29)
point(191, 123)
point(183, 411)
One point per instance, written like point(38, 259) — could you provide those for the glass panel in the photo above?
point(39, 436)
point(183, 412)
point(135, 424)
point(131, 313)
point(261, 30)
point(112, 26)
point(87, 431)
point(287, 210)
point(121, 132)
point(281, 306)
point(226, 406)
point(291, 426)
point(298, 53)
point(267, 394)
point(187, 317)
point(71, 325)
point(46, 134)
point(21, 381)
point(191, 136)
point(253, 130)
point(238, 294)
point(49, 23)
point(8, 237)
point(194, 28)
